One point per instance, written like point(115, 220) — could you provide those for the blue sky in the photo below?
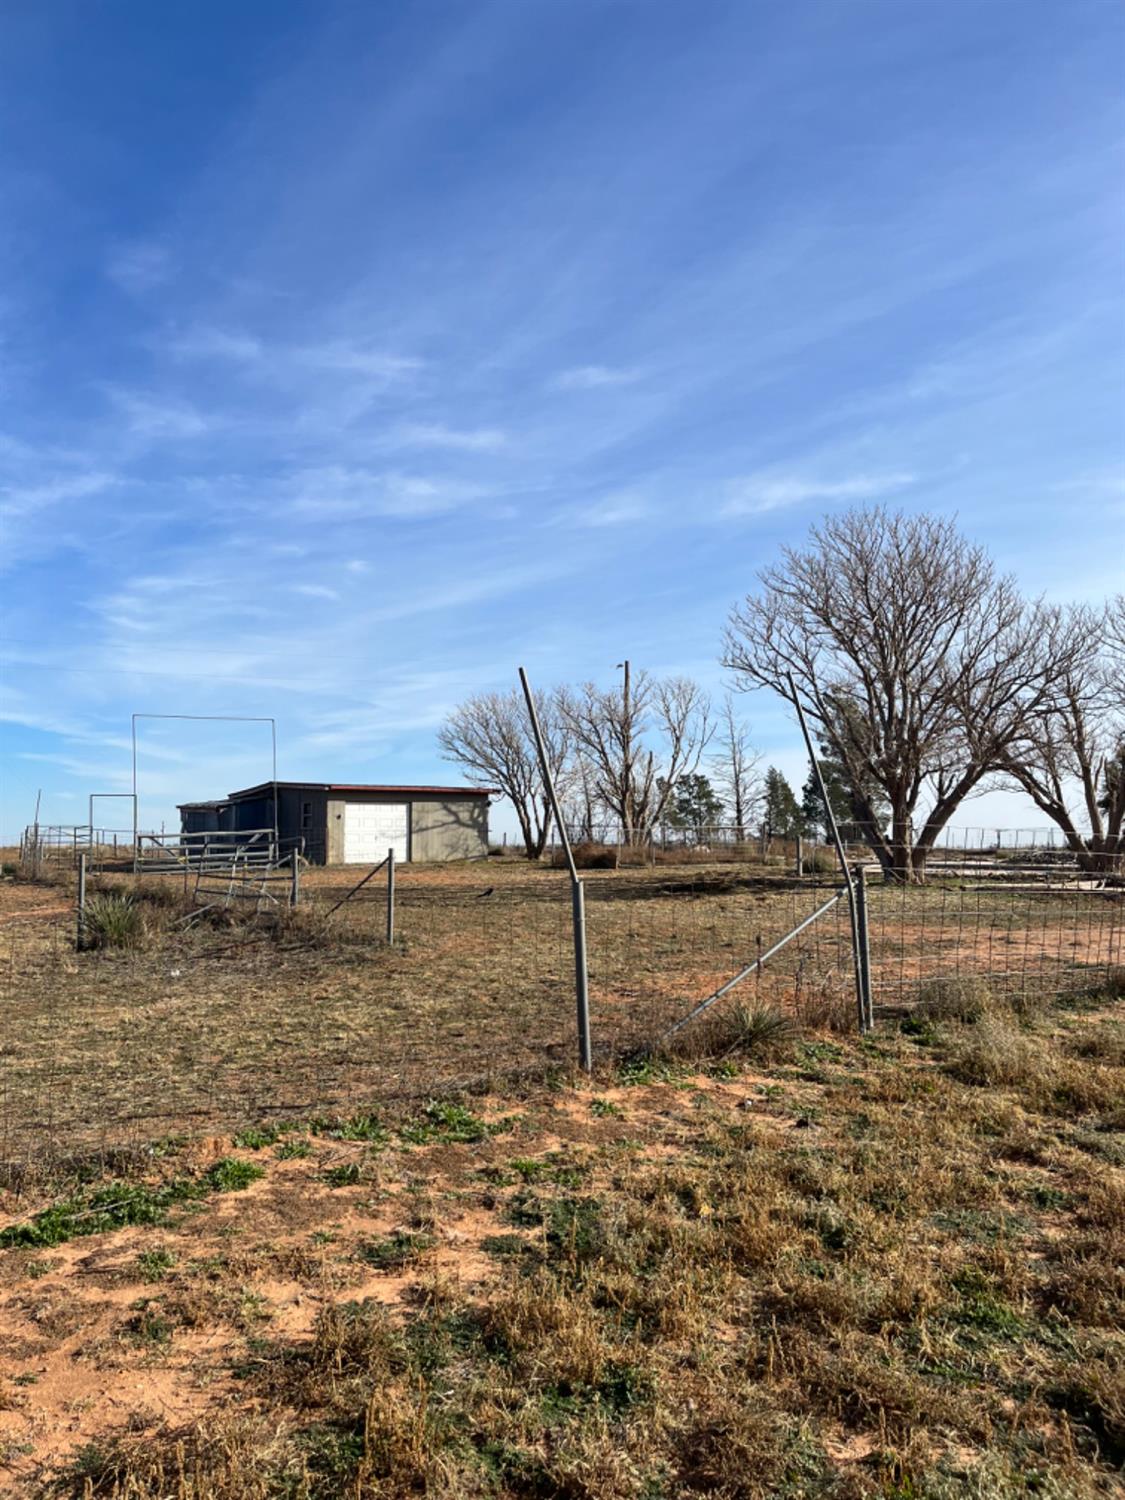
point(351, 354)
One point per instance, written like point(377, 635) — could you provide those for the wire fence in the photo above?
point(213, 1024)
point(750, 840)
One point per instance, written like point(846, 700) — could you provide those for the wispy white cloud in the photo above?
point(437, 435)
point(378, 368)
point(341, 492)
point(315, 591)
point(619, 509)
point(209, 343)
point(140, 266)
point(595, 377)
point(357, 359)
point(760, 493)
point(153, 416)
point(26, 500)
point(1106, 483)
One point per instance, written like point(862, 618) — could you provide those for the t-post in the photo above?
point(577, 893)
point(860, 974)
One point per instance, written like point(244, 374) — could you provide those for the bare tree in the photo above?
point(637, 740)
point(581, 808)
point(1073, 750)
point(918, 665)
point(736, 769)
point(490, 736)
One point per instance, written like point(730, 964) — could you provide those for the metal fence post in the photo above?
point(841, 854)
point(862, 932)
point(577, 894)
point(80, 935)
point(581, 990)
point(390, 895)
point(295, 890)
point(800, 858)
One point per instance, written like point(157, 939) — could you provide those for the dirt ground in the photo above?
point(826, 1267)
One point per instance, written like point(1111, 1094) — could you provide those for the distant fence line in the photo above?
point(982, 840)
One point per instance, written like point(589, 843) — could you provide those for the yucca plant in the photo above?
point(758, 1028)
point(111, 921)
point(753, 1027)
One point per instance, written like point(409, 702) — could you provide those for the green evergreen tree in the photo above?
point(781, 815)
point(693, 804)
point(852, 828)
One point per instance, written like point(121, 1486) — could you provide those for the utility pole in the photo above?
point(627, 759)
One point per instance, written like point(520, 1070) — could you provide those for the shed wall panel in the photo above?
point(451, 828)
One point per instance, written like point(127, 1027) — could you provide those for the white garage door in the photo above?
point(371, 828)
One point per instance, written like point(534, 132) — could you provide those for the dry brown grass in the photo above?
point(841, 1268)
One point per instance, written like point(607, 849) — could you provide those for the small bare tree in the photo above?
point(637, 740)
point(917, 665)
point(581, 808)
point(490, 736)
point(1073, 749)
point(736, 769)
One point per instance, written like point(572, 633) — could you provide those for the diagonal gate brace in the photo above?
point(751, 968)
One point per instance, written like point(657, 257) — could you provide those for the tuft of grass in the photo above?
point(363, 1127)
point(231, 1175)
point(998, 1054)
point(154, 1265)
point(820, 862)
point(346, 1175)
point(257, 1138)
point(112, 920)
point(291, 1149)
point(965, 998)
point(759, 1028)
point(395, 1250)
point(450, 1123)
point(604, 1108)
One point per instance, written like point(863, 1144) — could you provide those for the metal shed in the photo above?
point(341, 823)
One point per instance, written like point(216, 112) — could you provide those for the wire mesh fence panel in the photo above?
point(239, 1016)
point(1021, 940)
point(657, 947)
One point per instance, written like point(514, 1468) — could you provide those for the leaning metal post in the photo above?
point(577, 893)
point(861, 1006)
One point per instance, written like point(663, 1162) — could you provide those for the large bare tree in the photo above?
point(637, 739)
point(1072, 752)
point(490, 736)
point(917, 664)
point(735, 765)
